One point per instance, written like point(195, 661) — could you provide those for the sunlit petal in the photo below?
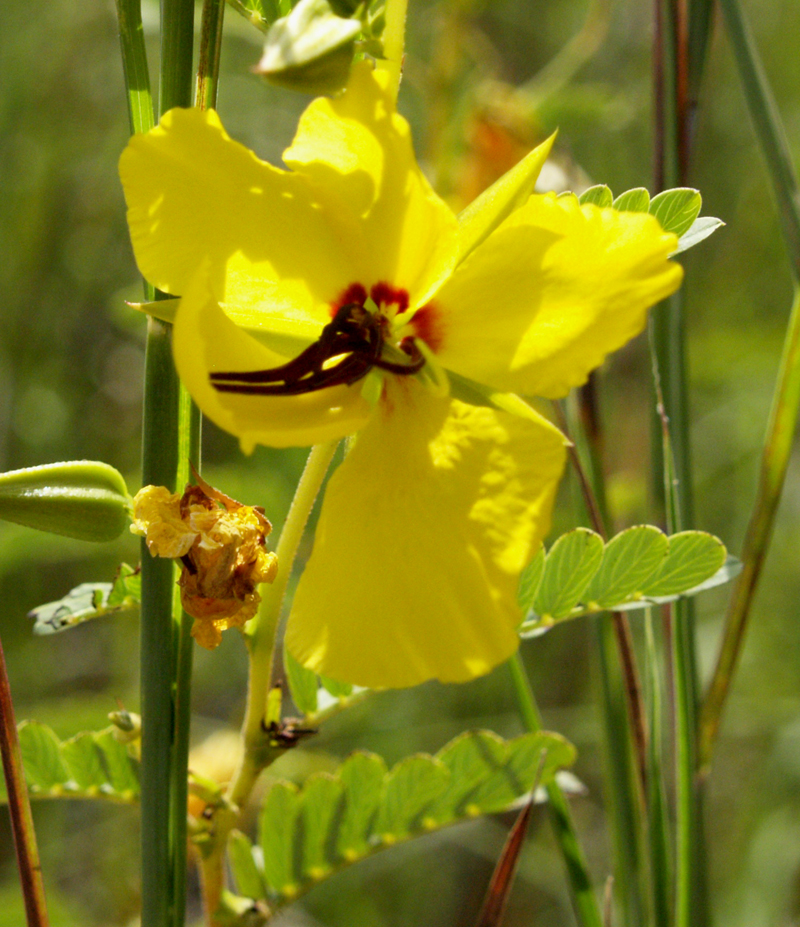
point(357, 153)
point(195, 195)
point(550, 293)
point(205, 340)
point(423, 532)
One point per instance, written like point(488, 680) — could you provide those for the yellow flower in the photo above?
point(221, 544)
point(344, 296)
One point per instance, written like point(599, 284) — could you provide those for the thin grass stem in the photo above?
point(587, 909)
point(19, 808)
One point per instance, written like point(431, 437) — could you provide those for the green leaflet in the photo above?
point(89, 600)
point(306, 834)
point(676, 209)
point(304, 687)
point(571, 563)
point(89, 765)
point(637, 568)
point(635, 200)
point(599, 195)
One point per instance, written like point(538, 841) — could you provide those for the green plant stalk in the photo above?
point(263, 630)
point(264, 645)
point(691, 905)
point(768, 126)
point(658, 818)
point(394, 42)
point(134, 65)
point(19, 808)
point(159, 465)
point(786, 399)
point(676, 77)
point(163, 852)
point(587, 909)
point(210, 48)
point(774, 462)
point(622, 712)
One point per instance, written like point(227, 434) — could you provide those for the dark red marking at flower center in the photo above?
point(429, 326)
point(355, 334)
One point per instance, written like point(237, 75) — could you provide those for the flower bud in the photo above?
point(310, 50)
point(83, 499)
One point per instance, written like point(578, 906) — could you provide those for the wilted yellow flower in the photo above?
point(222, 546)
point(343, 296)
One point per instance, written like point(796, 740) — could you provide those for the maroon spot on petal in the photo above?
point(384, 294)
point(429, 326)
point(356, 294)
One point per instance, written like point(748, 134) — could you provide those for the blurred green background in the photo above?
point(71, 359)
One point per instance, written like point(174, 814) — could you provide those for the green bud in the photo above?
point(82, 499)
point(310, 50)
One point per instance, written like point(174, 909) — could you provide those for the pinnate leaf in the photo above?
point(638, 568)
point(89, 765)
point(306, 834)
point(88, 601)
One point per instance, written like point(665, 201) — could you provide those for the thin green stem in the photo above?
point(162, 794)
point(623, 712)
point(159, 465)
point(394, 37)
point(786, 399)
point(264, 630)
point(210, 47)
point(19, 808)
point(658, 818)
point(134, 64)
point(774, 462)
point(768, 126)
point(587, 909)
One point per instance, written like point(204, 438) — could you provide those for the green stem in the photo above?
point(210, 47)
point(768, 126)
point(774, 462)
point(265, 652)
point(587, 909)
point(134, 65)
point(19, 808)
point(394, 42)
point(163, 795)
point(786, 400)
point(159, 465)
point(658, 818)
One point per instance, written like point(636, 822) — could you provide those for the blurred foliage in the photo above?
point(485, 81)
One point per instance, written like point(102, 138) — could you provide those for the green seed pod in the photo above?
point(83, 499)
point(310, 50)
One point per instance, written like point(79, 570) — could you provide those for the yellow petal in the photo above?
point(356, 152)
point(550, 293)
point(195, 195)
point(423, 531)
point(509, 192)
point(206, 340)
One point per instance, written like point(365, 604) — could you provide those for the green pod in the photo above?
point(83, 499)
point(310, 50)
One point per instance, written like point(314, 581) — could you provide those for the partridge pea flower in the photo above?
point(343, 296)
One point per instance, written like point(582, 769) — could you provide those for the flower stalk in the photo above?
point(19, 808)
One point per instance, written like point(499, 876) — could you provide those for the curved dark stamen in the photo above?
point(354, 334)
